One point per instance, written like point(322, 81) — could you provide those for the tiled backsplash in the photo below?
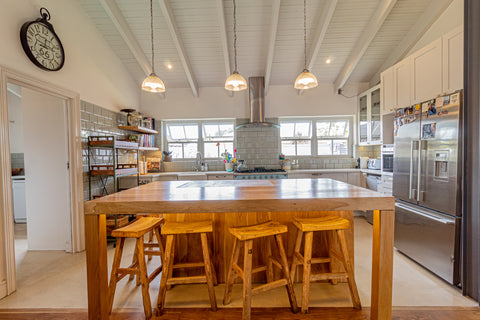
point(373, 152)
point(17, 160)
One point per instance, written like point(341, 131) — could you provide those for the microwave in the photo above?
point(387, 158)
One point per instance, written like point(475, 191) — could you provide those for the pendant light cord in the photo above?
point(235, 33)
point(305, 31)
point(151, 33)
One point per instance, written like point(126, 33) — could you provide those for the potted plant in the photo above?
point(167, 156)
point(229, 160)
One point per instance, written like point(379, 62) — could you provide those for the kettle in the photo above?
point(242, 166)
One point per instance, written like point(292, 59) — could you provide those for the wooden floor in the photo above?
point(399, 313)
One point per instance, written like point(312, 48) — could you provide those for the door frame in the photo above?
point(76, 171)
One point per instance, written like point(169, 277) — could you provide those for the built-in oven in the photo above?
point(387, 158)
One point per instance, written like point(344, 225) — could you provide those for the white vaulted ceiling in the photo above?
point(199, 33)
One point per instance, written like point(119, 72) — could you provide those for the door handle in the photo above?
point(410, 190)
point(419, 172)
point(426, 215)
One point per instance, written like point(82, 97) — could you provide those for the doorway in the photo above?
point(52, 167)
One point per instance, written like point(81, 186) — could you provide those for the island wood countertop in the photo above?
point(279, 197)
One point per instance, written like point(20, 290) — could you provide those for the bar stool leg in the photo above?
point(348, 267)
point(214, 274)
point(208, 271)
point(269, 262)
point(295, 260)
point(150, 240)
point(286, 273)
point(329, 239)
point(160, 246)
point(165, 273)
point(231, 273)
point(147, 306)
point(247, 280)
point(134, 264)
point(113, 277)
point(307, 265)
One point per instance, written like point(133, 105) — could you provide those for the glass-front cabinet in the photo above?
point(370, 117)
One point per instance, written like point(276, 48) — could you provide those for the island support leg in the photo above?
point(382, 265)
point(97, 269)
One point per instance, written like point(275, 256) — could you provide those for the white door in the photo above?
point(47, 188)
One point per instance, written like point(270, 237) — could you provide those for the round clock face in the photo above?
point(42, 46)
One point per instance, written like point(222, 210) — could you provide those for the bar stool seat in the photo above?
point(172, 230)
point(246, 235)
point(137, 230)
point(327, 223)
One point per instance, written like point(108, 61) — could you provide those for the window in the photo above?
point(320, 136)
point(210, 137)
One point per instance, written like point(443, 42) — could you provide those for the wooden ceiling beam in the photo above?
point(428, 17)
point(364, 41)
point(169, 19)
point(115, 14)
point(327, 13)
point(271, 42)
point(223, 39)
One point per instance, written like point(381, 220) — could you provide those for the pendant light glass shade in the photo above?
point(305, 80)
point(235, 82)
point(154, 84)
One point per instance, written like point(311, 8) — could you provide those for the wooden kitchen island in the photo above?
point(235, 203)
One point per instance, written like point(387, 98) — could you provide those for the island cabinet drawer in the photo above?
point(220, 177)
point(131, 181)
point(192, 177)
point(339, 176)
point(166, 177)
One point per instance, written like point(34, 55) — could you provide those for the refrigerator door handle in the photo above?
point(419, 174)
point(410, 195)
point(426, 215)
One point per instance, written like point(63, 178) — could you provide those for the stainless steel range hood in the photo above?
point(256, 89)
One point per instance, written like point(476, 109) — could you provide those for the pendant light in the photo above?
point(235, 82)
point(306, 79)
point(152, 83)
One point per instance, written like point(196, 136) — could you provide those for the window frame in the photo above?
point(314, 139)
point(200, 140)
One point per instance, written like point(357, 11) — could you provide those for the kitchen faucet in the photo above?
point(198, 162)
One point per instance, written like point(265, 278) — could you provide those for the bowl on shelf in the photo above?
point(16, 171)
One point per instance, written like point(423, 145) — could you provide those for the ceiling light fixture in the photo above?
point(152, 83)
point(169, 66)
point(235, 82)
point(328, 61)
point(306, 79)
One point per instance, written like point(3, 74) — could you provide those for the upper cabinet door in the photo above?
point(375, 117)
point(453, 60)
point(363, 120)
point(388, 91)
point(427, 72)
point(403, 80)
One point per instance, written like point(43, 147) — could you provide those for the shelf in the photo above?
point(118, 172)
point(111, 142)
point(138, 129)
point(148, 149)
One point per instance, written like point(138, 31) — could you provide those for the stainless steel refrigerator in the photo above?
point(427, 178)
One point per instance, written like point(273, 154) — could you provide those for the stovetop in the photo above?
point(261, 170)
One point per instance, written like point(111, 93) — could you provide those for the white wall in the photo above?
point(280, 101)
point(15, 119)
point(47, 183)
point(451, 18)
point(91, 67)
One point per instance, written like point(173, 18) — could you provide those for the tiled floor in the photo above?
point(54, 279)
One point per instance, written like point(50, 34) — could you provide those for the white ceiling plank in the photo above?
point(429, 16)
point(364, 41)
point(114, 13)
point(271, 42)
point(223, 39)
point(326, 17)
point(169, 19)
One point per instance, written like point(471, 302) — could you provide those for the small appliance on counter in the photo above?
point(374, 164)
point(363, 162)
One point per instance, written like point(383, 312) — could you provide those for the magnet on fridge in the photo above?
point(446, 100)
point(454, 98)
point(439, 102)
point(432, 110)
point(425, 107)
point(417, 108)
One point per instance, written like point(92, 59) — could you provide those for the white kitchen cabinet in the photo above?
point(354, 178)
point(192, 176)
point(452, 43)
point(165, 177)
point(340, 176)
point(426, 68)
point(387, 85)
point(19, 200)
point(402, 83)
point(219, 176)
point(369, 117)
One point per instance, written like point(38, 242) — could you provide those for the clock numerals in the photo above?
point(44, 46)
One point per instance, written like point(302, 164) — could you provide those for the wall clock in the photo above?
point(41, 43)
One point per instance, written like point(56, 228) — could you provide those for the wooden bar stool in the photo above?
point(328, 223)
point(171, 230)
point(137, 229)
point(246, 235)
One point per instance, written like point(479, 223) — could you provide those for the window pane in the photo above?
point(211, 150)
point(288, 147)
point(222, 131)
point(337, 128)
point(304, 147)
point(226, 131)
point(176, 148)
point(340, 147)
point(286, 129)
point(191, 131)
point(324, 147)
point(175, 132)
point(189, 150)
point(210, 131)
point(323, 128)
point(303, 130)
